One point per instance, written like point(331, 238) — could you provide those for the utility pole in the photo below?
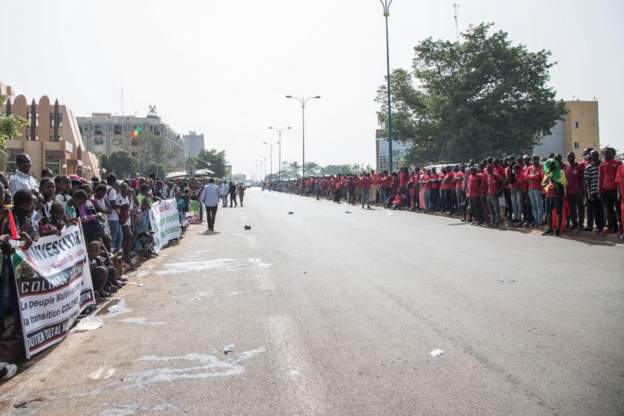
point(303, 101)
point(279, 142)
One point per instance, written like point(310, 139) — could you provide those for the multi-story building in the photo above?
point(578, 130)
point(194, 143)
point(51, 139)
point(382, 147)
point(105, 133)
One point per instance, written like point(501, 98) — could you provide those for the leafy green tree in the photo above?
point(481, 96)
point(213, 160)
point(9, 129)
point(121, 163)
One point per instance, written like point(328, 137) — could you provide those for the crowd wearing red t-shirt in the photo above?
point(527, 191)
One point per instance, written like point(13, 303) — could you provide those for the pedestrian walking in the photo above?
point(210, 198)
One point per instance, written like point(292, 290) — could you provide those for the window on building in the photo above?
point(97, 129)
point(54, 138)
point(56, 119)
point(117, 141)
point(81, 129)
point(576, 145)
point(54, 164)
point(156, 131)
point(98, 141)
point(576, 124)
point(117, 129)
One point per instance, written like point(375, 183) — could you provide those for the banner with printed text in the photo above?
point(165, 221)
point(53, 287)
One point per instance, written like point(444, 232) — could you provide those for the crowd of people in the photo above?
point(549, 193)
point(113, 213)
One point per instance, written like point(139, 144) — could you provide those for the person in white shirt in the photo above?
point(210, 197)
point(113, 217)
point(224, 193)
point(22, 179)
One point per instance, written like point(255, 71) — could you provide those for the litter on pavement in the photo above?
point(7, 371)
point(88, 324)
point(228, 348)
point(290, 213)
point(248, 227)
point(437, 352)
point(347, 212)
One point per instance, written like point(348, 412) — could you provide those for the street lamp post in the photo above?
point(303, 101)
point(271, 153)
point(279, 142)
point(386, 8)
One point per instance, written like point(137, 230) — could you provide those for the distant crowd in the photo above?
point(549, 193)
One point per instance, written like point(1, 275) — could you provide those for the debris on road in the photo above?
point(437, 352)
point(248, 227)
point(141, 285)
point(228, 348)
point(7, 371)
point(290, 213)
point(88, 324)
point(506, 280)
point(348, 212)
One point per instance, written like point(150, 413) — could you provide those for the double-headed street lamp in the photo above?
point(279, 142)
point(303, 101)
point(386, 8)
point(270, 144)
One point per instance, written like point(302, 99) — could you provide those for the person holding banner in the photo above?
point(210, 197)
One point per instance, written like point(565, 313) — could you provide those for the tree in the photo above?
point(213, 160)
point(9, 129)
point(482, 96)
point(121, 163)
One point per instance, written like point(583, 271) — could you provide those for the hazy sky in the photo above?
point(223, 68)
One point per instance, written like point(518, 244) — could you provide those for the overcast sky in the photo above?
point(224, 67)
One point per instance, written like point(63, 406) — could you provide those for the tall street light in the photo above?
point(271, 153)
point(279, 142)
point(303, 101)
point(386, 8)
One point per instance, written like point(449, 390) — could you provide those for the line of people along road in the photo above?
point(524, 191)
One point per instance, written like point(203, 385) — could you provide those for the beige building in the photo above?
point(51, 139)
point(577, 131)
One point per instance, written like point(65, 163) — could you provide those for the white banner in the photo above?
point(53, 287)
point(165, 222)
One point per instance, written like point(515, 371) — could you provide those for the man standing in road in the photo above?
point(210, 197)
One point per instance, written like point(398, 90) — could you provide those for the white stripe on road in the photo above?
point(304, 392)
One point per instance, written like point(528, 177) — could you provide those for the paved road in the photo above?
point(330, 313)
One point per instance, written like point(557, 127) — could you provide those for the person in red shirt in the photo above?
point(494, 188)
point(474, 195)
point(365, 186)
point(434, 179)
point(534, 175)
point(515, 179)
point(425, 184)
point(607, 187)
point(574, 174)
point(458, 188)
point(619, 180)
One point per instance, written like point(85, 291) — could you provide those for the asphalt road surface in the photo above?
point(325, 312)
